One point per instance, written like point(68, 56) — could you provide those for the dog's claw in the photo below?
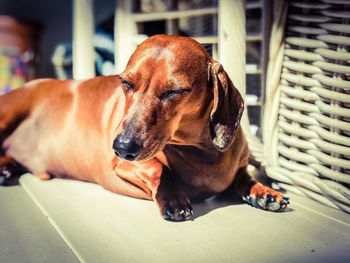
point(270, 198)
point(285, 200)
point(188, 214)
point(284, 203)
point(262, 203)
point(249, 200)
point(167, 213)
point(4, 174)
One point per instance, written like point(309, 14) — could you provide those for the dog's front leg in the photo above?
point(155, 180)
point(173, 203)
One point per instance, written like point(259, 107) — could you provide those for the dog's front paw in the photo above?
point(175, 207)
point(266, 198)
point(5, 174)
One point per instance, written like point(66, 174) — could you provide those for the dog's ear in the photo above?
point(227, 109)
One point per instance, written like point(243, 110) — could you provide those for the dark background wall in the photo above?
point(55, 18)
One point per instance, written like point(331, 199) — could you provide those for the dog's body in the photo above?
point(172, 118)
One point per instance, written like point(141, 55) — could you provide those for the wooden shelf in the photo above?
point(254, 37)
point(253, 5)
point(253, 69)
point(252, 100)
point(207, 39)
point(144, 17)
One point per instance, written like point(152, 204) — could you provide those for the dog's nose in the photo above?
point(126, 148)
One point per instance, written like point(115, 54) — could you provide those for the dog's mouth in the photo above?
point(143, 156)
point(126, 156)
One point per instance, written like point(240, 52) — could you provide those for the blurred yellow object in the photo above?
point(17, 44)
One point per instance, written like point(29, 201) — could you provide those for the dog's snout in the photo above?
point(126, 148)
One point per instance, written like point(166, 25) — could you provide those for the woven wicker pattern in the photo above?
point(314, 112)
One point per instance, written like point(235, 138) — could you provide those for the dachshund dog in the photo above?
point(167, 129)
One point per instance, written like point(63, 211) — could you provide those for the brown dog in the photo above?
point(172, 118)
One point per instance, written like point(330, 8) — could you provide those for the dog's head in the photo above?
point(175, 93)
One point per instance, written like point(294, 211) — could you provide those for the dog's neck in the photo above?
point(197, 153)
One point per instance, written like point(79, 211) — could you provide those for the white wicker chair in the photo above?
point(307, 112)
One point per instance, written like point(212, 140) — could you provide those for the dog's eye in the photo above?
point(173, 93)
point(127, 85)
